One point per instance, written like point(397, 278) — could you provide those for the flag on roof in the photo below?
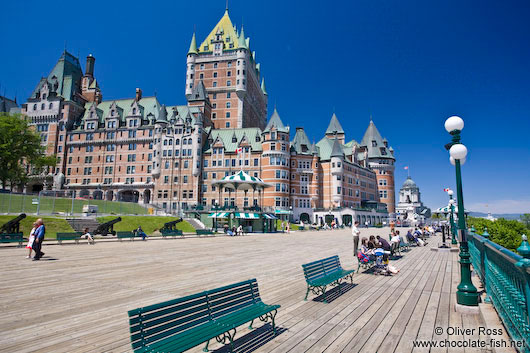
point(406, 168)
point(446, 189)
point(239, 150)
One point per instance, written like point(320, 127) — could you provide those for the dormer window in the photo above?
point(273, 135)
point(234, 139)
point(134, 111)
point(112, 113)
point(257, 138)
point(91, 115)
point(383, 151)
point(44, 96)
point(374, 143)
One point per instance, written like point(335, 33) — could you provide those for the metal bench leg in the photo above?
point(250, 326)
point(306, 293)
point(325, 295)
point(273, 316)
point(205, 349)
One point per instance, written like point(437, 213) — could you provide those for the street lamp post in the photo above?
point(466, 293)
point(451, 217)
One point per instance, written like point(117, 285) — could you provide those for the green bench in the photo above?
point(124, 235)
point(69, 236)
point(319, 274)
point(204, 231)
point(170, 233)
point(12, 238)
point(180, 324)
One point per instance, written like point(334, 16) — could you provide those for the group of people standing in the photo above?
point(36, 237)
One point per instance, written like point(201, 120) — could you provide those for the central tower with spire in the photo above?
point(227, 68)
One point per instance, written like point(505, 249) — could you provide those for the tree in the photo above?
point(20, 151)
point(525, 218)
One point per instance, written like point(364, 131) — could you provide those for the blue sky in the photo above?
point(411, 64)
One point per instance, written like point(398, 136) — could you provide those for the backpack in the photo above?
point(362, 257)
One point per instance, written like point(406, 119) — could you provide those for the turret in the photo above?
point(90, 62)
point(242, 64)
point(160, 124)
point(337, 169)
point(190, 62)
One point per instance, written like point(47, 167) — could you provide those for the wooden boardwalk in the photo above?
point(76, 298)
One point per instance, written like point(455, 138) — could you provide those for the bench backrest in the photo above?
point(12, 236)
point(321, 268)
point(155, 322)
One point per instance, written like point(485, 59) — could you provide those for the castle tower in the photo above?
point(337, 169)
point(89, 85)
point(275, 162)
point(380, 158)
point(231, 77)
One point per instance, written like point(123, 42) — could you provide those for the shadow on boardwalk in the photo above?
point(253, 340)
point(335, 293)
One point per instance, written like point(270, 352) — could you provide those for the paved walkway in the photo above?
point(76, 298)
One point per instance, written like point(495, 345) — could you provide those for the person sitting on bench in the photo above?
point(141, 233)
point(89, 237)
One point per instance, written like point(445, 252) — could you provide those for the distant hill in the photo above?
point(496, 215)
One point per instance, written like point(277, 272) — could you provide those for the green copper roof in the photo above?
point(276, 122)
point(64, 79)
point(193, 45)
point(241, 41)
point(336, 149)
point(226, 136)
point(198, 93)
point(162, 114)
point(301, 143)
point(263, 86)
point(334, 126)
point(146, 106)
point(375, 143)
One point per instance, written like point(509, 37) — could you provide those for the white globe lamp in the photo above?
point(452, 160)
point(454, 123)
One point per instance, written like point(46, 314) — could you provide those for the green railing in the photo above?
point(505, 276)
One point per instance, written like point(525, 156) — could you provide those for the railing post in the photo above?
point(523, 264)
point(484, 260)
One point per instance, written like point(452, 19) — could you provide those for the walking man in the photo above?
point(355, 232)
point(39, 238)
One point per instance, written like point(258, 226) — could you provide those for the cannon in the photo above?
point(107, 227)
point(13, 226)
point(171, 225)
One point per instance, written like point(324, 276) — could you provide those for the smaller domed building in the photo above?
point(410, 209)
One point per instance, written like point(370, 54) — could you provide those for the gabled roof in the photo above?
point(276, 122)
point(198, 93)
point(334, 126)
point(300, 140)
point(228, 34)
point(226, 137)
point(65, 77)
point(375, 144)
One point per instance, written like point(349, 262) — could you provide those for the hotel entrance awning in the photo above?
point(245, 215)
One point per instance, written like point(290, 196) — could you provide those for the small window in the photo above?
point(50, 106)
point(214, 83)
point(228, 114)
point(228, 104)
point(215, 65)
point(228, 95)
point(227, 124)
point(229, 73)
point(229, 83)
point(215, 74)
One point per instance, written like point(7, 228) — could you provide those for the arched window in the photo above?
point(165, 142)
point(177, 142)
point(170, 142)
point(44, 96)
point(134, 111)
point(50, 106)
point(34, 106)
point(189, 141)
point(42, 106)
point(184, 141)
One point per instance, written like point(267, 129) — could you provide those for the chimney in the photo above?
point(138, 94)
point(90, 61)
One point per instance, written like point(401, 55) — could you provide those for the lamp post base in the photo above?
point(469, 310)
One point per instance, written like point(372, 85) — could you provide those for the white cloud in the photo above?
point(501, 206)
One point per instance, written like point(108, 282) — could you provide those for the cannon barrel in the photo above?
point(13, 226)
point(171, 225)
point(107, 227)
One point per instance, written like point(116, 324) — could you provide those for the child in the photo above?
point(31, 239)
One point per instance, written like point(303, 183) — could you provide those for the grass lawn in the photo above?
point(292, 226)
point(13, 203)
point(53, 225)
point(148, 223)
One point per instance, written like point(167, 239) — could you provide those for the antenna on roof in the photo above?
point(226, 6)
point(65, 46)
